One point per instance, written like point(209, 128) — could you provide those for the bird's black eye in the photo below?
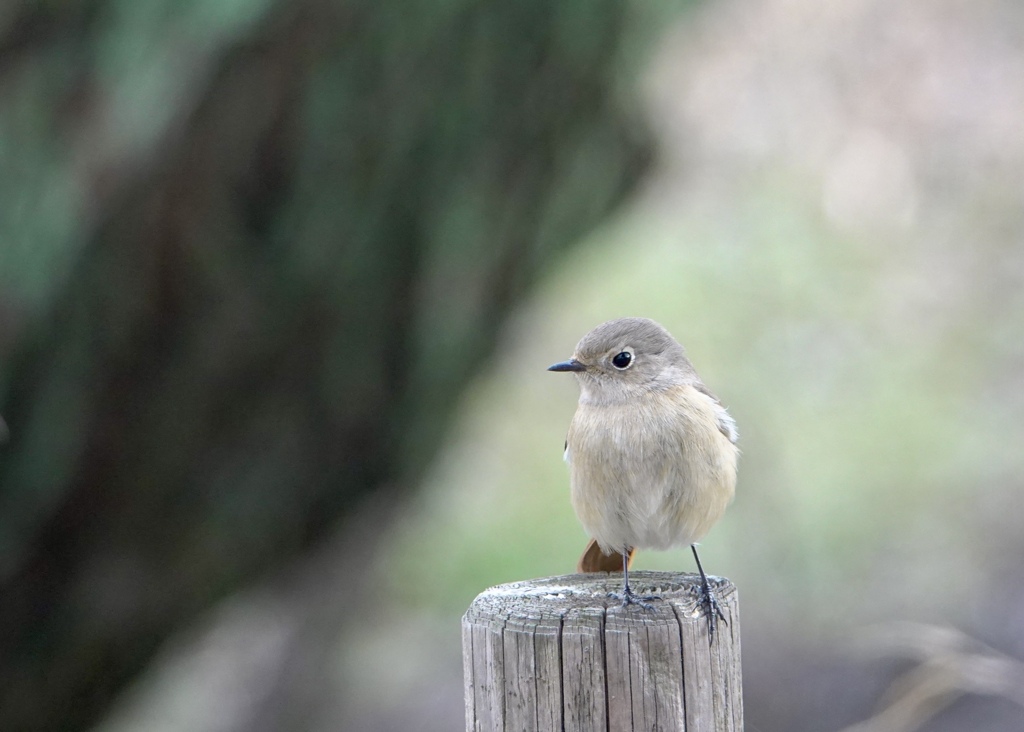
point(622, 360)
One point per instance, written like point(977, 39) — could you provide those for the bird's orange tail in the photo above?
point(595, 560)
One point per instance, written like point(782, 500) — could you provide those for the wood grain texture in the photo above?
point(559, 654)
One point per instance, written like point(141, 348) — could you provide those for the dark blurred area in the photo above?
point(252, 251)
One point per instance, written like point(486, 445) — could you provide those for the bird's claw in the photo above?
point(712, 610)
point(628, 597)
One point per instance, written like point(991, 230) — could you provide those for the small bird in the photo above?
point(652, 452)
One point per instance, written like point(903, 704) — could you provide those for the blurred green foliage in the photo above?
point(252, 253)
point(139, 60)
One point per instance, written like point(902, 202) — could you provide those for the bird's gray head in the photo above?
point(622, 358)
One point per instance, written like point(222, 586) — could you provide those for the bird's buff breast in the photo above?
point(650, 473)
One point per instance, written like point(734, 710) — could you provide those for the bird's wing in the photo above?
point(726, 424)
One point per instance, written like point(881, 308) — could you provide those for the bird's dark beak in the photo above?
point(571, 365)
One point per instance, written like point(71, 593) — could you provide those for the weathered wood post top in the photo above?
point(560, 654)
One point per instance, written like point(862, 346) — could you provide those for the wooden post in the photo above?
point(557, 654)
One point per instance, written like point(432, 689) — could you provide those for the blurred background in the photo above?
point(279, 282)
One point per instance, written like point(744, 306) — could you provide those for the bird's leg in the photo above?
point(627, 594)
point(628, 597)
point(707, 600)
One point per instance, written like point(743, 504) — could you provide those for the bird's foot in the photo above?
point(712, 610)
point(628, 597)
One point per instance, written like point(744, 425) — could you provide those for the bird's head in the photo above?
point(622, 358)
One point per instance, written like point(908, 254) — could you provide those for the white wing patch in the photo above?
point(726, 424)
